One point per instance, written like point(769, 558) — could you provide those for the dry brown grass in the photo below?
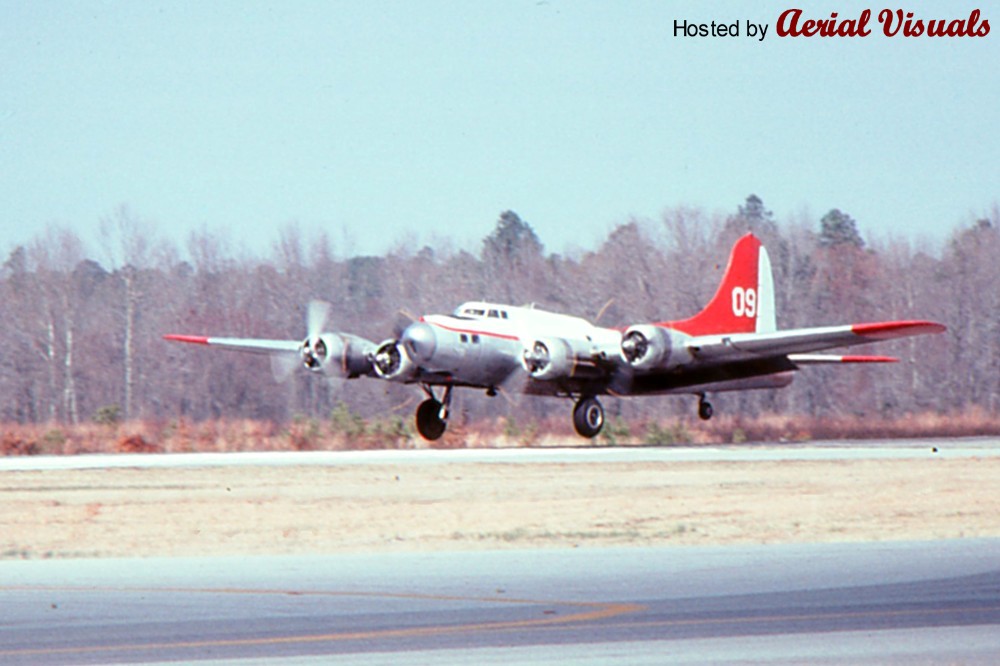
point(972, 422)
point(347, 431)
point(311, 509)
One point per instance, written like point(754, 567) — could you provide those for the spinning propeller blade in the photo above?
point(316, 317)
point(283, 364)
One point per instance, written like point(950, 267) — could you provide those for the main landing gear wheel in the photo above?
point(430, 425)
point(705, 410)
point(588, 417)
point(432, 414)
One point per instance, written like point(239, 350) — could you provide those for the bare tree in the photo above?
point(78, 335)
point(56, 305)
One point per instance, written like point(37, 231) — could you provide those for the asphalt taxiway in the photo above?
point(912, 602)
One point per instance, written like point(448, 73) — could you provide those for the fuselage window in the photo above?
point(475, 338)
point(464, 337)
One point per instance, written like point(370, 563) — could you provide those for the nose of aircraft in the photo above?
point(420, 341)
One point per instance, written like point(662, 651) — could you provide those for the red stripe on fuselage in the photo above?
point(469, 331)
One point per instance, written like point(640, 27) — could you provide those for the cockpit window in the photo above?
point(495, 314)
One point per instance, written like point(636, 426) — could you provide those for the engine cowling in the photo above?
point(323, 353)
point(546, 359)
point(647, 347)
point(337, 355)
point(393, 363)
point(356, 360)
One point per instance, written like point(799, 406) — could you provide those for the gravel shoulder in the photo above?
point(257, 510)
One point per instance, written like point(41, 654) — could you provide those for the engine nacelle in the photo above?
point(357, 357)
point(338, 355)
point(323, 353)
point(647, 347)
point(546, 359)
point(393, 363)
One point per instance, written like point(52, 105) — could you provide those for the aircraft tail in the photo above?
point(744, 301)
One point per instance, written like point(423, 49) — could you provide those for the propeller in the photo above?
point(403, 405)
point(283, 364)
point(313, 349)
point(515, 385)
point(316, 317)
point(335, 355)
point(603, 310)
point(634, 346)
point(513, 388)
point(403, 319)
point(536, 358)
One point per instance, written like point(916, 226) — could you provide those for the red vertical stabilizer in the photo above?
point(744, 301)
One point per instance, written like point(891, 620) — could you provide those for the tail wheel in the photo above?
point(430, 425)
point(588, 417)
point(705, 410)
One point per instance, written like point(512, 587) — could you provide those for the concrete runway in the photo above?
point(905, 603)
point(929, 448)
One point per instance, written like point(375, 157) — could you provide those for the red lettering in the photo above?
point(894, 22)
point(789, 25)
point(858, 28)
point(885, 17)
point(913, 29)
point(791, 15)
point(982, 30)
point(941, 29)
point(825, 26)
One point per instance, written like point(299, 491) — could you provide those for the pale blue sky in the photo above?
point(382, 121)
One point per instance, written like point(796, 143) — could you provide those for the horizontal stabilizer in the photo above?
point(804, 340)
point(817, 359)
point(896, 329)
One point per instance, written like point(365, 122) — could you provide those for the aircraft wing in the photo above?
point(253, 345)
point(803, 341)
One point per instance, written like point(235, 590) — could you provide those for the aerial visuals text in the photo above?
point(795, 22)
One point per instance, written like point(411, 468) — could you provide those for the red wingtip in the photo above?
point(887, 330)
point(869, 359)
point(192, 339)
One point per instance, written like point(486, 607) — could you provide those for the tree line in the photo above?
point(81, 336)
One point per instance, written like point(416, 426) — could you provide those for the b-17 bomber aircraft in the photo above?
point(732, 344)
